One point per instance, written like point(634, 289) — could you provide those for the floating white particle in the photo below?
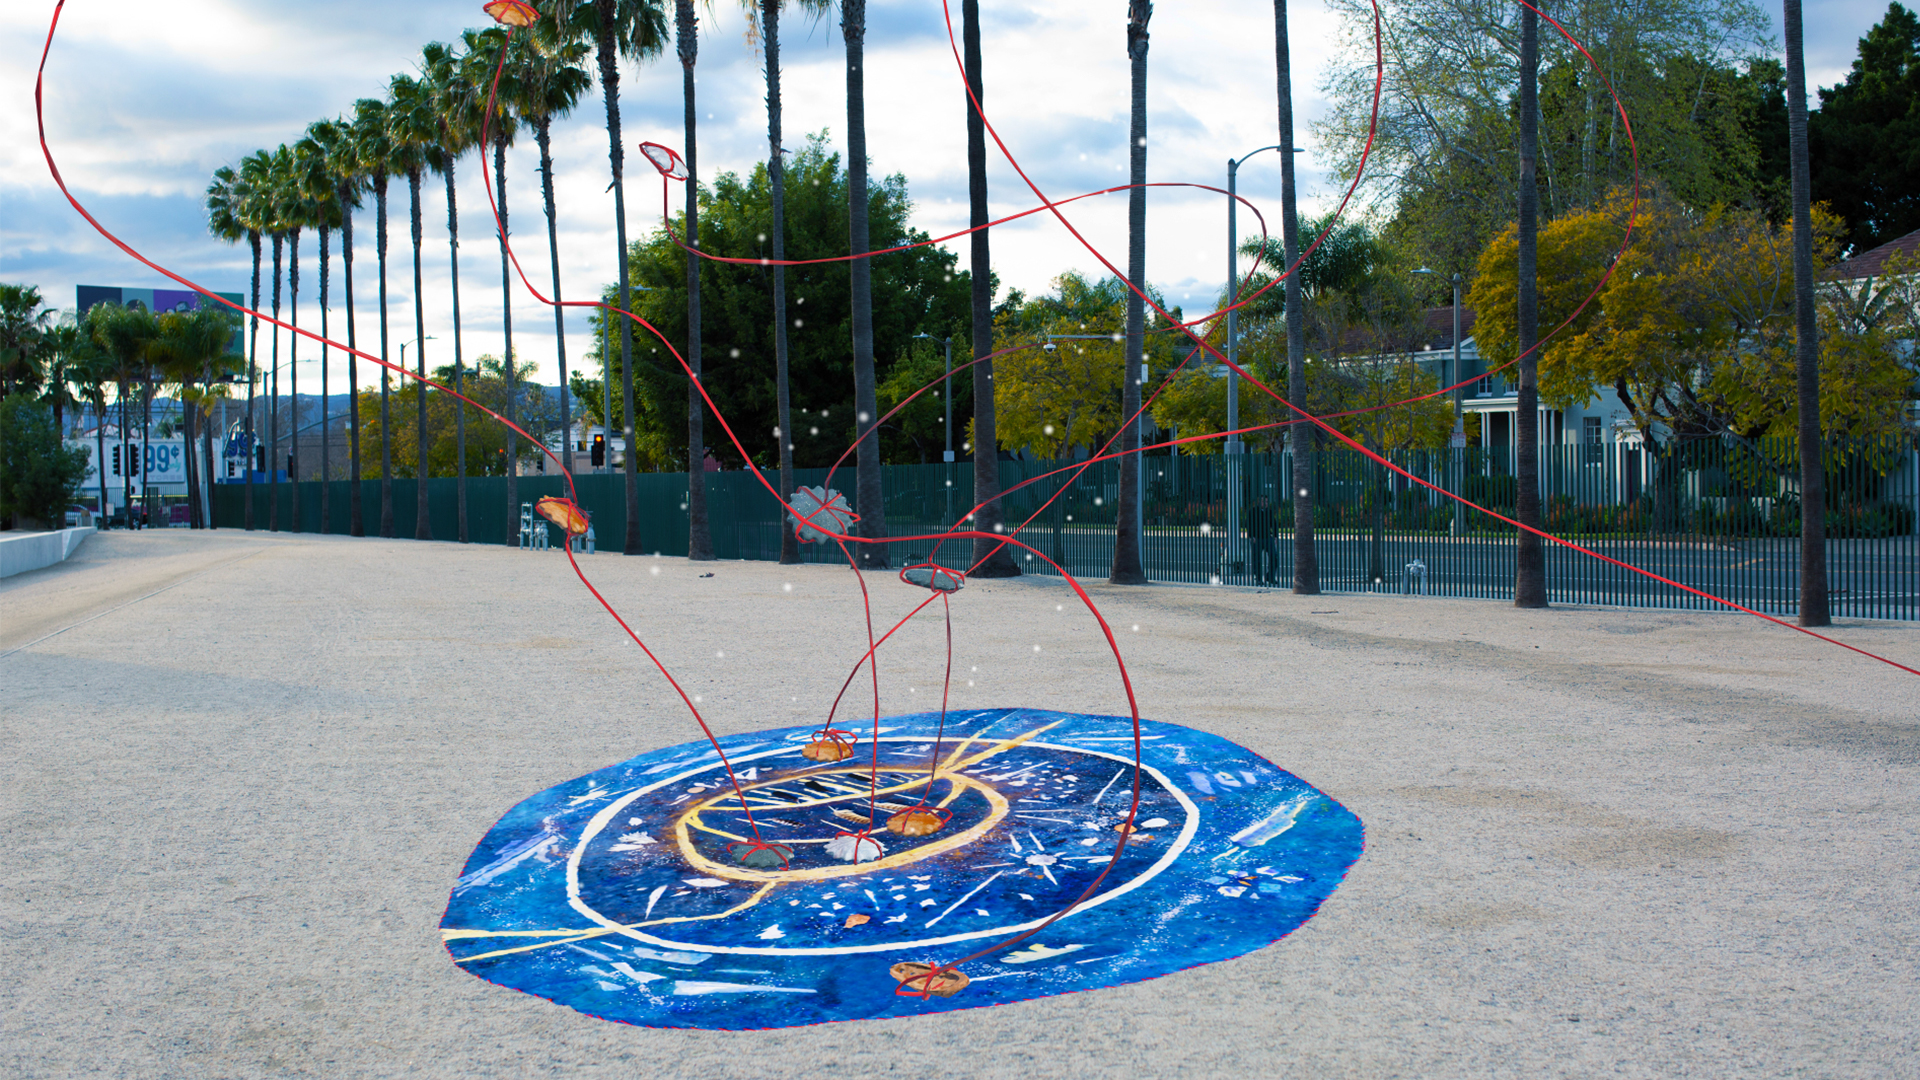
point(1136, 628)
point(1036, 648)
point(654, 570)
point(788, 587)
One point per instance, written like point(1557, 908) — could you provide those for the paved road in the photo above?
point(238, 780)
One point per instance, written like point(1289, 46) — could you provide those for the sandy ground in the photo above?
point(237, 782)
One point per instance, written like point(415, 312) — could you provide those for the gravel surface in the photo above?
point(239, 778)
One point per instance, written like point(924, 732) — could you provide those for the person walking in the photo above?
point(1263, 528)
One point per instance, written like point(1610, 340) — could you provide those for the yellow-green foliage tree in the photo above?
point(486, 437)
point(1693, 332)
point(1050, 402)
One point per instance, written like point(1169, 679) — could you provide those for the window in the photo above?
point(1595, 450)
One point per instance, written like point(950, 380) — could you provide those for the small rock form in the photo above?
point(856, 919)
point(817, 510)
point(934, 576)
point(765, 856)
point(564, 513)
point(922, 980)
point(829, 745)
point(854, 848)
point(917, 821)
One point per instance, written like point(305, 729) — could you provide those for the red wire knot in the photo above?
point(816, 510)
point(933, 576)
point(829, 745)
point(920, 980)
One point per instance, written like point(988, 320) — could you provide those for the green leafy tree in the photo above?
point(916, 291)
point(39, 473)
point(1865, 138)
point(487, 443)
point(1444, 165)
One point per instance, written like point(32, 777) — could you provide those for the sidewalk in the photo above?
point(1600, 842)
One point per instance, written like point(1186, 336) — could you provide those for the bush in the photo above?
point(39, 475)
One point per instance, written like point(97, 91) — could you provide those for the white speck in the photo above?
point(1136, 628)
point(1155, 823)
point(926, 903)
point(1036, 648)
point(788, 587)
point(719, 655)
point(704, 882)
point(1205, 528)
point(1041, 860)
point(654, 570)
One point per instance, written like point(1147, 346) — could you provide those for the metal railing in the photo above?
point(1718, 516)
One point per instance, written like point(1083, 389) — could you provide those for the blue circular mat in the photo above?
point(615, 894)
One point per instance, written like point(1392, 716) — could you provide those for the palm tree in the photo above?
point(125, 335)
point(23, 322)
point(484, 55)
point(90, 371)
point(873, 517)
point(296, 211)
point(273, 197)
point(990, 557)
point(1814, 610)
point(414, 126)
point(459, 109)
point(373, 141)
point(552, 80)
point(776, 176)
point(699, 535)
point(254, 178)
point(635, 29)
point(1530, 555)
point(349, 175)
point(315, 153)
point(1127, 566)
point(1306, 563)
point(190, 350)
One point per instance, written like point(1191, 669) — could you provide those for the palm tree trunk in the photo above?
point(543, 132)
point(1306, 562)
point(326, 421)
point(990, 557)
point(253, 374)
point(273, 401)
point(506, 326)
point(206, 455)
point(187, 410)
point(872, 500)
point(293, 377)
point(777, 183)
point(459, 359)
point(356, 522)
point(386, 377)
point(100, 448)
point(608, 56)
point(422, 525)
point(699, 534)
point(1814, 609)
point(1530, 555)
point(1127, 565)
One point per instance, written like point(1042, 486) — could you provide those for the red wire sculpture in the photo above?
point(820, 515)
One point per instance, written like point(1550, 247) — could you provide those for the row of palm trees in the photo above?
point(423, 125)
point(133, 353)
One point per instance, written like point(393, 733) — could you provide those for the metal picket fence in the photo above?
point(1718, 516)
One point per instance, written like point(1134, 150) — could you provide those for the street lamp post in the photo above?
point(1234, 447)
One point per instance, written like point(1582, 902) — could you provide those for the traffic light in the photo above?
point(599, 451)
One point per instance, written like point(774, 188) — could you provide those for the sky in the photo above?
point(141, 110)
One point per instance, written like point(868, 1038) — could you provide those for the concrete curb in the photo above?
point(32, 551)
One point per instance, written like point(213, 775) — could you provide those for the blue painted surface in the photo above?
point(615, 894)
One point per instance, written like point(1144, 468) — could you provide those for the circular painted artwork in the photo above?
point(632, 894)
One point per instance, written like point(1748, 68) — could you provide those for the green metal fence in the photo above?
point(1717, 516)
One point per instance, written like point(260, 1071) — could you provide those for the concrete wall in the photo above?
point(31, 551)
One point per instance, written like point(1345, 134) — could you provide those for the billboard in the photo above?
point(157, 301)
